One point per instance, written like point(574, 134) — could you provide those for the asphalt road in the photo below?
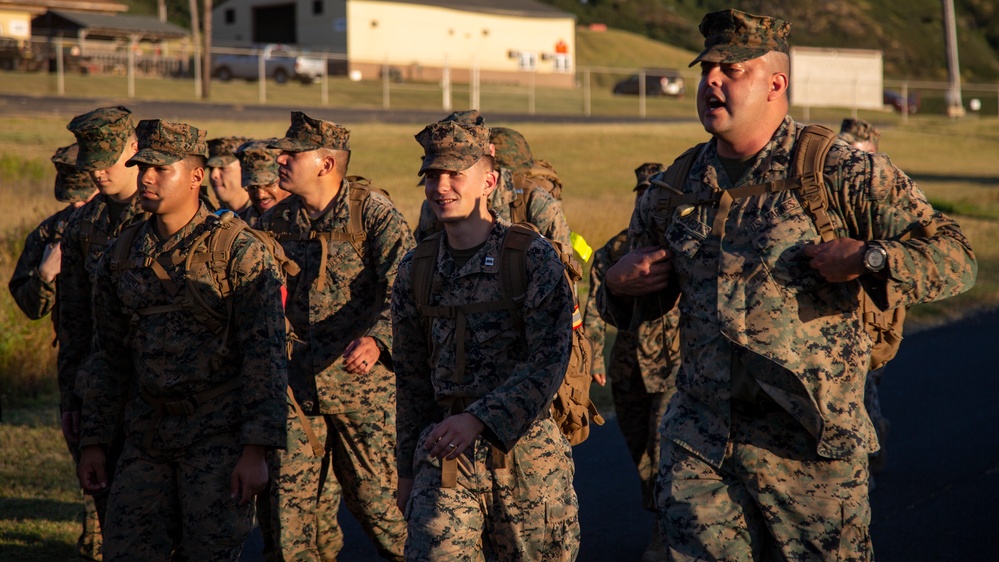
point(937, 500)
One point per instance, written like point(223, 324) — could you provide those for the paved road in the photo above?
point(938, 499)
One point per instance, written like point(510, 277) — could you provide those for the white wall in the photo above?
point(409, 34)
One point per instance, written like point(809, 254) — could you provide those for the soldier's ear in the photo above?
point(197, 177)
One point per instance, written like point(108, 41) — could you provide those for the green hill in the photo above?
point(909, 32)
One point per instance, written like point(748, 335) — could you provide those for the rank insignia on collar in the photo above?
point(489, 261)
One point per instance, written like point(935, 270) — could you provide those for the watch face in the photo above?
point(875, 259)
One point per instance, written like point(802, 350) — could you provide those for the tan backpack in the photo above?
point(806, 180)
point(572, 409)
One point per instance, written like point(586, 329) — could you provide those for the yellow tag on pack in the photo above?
point(580, 246)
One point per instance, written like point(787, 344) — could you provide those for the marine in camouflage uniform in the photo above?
point(543, 210)
point(259, 172)
point(643, 363)
point(341, 373)
point(765, 442)
point(512, 497)
point(864, 136)
point(198, 378)
point(106, 140)
point(33, 286)
point(225, 175)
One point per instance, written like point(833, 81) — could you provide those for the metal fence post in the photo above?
point(532, 92)
point(385, 86)
point(324, 94)
point(261, 77)
point(446, 85)
point(60, 68)
point(905, 101)
point(586, 92)
point(132, 42)
point(641, 93)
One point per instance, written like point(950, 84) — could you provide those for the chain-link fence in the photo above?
point(114, 68)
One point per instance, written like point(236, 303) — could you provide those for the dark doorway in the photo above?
point(274, 24)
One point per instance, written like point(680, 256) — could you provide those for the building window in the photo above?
point(230, 16)
point(527, 60)
point(317, 7)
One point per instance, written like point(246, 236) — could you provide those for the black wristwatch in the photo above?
point(875, 258)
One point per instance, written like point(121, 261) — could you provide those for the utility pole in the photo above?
point(206, 66)
point(955, 108)
point(196, 42)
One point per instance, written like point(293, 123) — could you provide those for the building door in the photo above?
point(274, 24)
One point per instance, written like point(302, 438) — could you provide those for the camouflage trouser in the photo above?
point(773, 498)
point(288, 512)
point(526, 511)
point(178, 499)
point(638, 415)
point(359, 464)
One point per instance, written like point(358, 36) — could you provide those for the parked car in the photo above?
point(658, 82)
point(893, 100)
point(279, 65)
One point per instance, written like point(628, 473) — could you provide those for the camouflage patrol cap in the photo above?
point(858, 130)
point(162, 143)
point(307, 133)
point(258, 162)
point(452, 145)
point(222, 151)
point(470, 117)
point(644, 173)
point(734, 36)
point(101, 135)
point(512, 150)
point(71, 185)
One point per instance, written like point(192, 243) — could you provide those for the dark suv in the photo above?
point(658, 82)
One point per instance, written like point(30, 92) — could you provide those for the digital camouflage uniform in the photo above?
point(858, 130)
point(258, 166)
point(780, 473)
point(864, 135)
point(643, 363)
point(37, 297)
point(154, 355)
point(527, 510)
point(339, 296)
point(101, 136)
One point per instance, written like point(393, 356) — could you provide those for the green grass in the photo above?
point(40, 500)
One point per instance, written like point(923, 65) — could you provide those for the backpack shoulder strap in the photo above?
point(119, 253)
point(424, 258)
point(811, 150)
point(672, 182)
point(513, 260)
point(522, 189)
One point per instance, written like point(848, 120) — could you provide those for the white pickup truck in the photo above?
point(280, 64)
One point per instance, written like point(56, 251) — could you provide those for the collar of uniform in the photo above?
point(182, 239)
point(487, 259)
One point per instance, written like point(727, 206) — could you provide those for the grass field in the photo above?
point(39, 500)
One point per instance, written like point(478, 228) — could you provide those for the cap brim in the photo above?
point(220, 161)
point(449, 162)
point(729, 54)
point(88, 161)
point(293, 145)
point(153, 158)
point(254, 180)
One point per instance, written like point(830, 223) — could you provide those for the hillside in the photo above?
point(909, 32)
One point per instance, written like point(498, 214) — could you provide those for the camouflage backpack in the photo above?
point(883, 326)
point(354, 234)
point(539, 176)
point(223, 229)
point(571, 408)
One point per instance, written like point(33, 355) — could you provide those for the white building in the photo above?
point(507, 41)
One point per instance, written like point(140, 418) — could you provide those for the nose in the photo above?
point(711, 75)
point(282, 159)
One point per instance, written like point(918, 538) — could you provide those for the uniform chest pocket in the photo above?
point(686, 233)
point(779, 239)
point(498, 328)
